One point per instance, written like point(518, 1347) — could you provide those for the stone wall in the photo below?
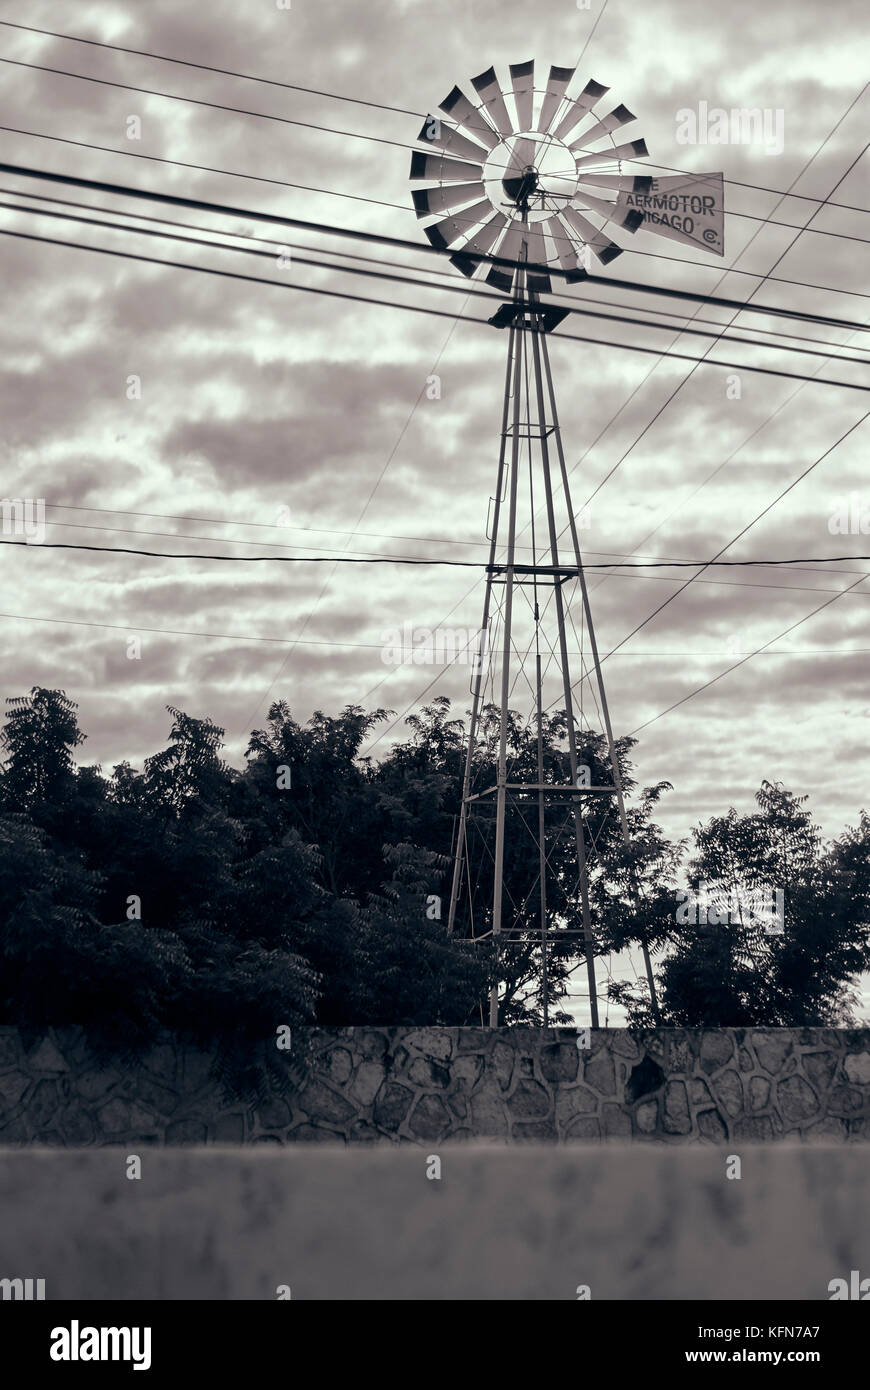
point(427, 1085)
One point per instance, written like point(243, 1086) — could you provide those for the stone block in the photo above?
point(433, 1042)
point(93, 1084)
point(717, 1049)
point(617, 1125)
point(321, 1103)
point(759, 1093)
point(772, 1049)
point(796, 1100)
point(424, 1072)
point(711, 1126)
point(755, 1128)
point(339, 1065)
point(274, 1114)
point(857, 1068)
point(13, 1085)
point(391, 1105)
point(729, 1092)
point(676, 1117)
point(585, 1128)
point(646, 1116)
point(599, 1073)
point(559, 1062)
point(429, 1118)
point(530, 1101)
point(366, 1083)
point(819, 1068)
point(46, 1058)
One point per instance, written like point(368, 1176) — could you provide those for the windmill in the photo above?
point(521, 186)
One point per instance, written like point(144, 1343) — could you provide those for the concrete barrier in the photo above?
point(529, 1221)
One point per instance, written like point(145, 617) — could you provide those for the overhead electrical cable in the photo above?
point(716, 559)
point(379, 202)
point(332, 229)
point(497, 567)
point(247, 239)
point(411, 308)
point(448, 286)
point(331, 130)
point(360, 101)
point(750, 657)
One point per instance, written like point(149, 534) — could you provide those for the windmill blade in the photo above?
point(619, 116)
point(434, 132)
point(437, 168)
point(443, 234)
point(510, 247)
point(580, 107)
point(460, 109)
point(629, 218)
point(632, 149)
point(557, 84)
point(627, 183)
point(487, 88)
point(485, 239)
point(431, 200)
point(523, 83)
point(555, 229)
point(605, 249)
point(536, 252)
point(481, 242)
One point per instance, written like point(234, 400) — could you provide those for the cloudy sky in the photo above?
point(264, 406)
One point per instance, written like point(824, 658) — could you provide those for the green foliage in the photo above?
point(737, 971)
point(322, 895)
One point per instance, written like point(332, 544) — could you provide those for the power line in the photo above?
point(212, 105)
point(498, 567)
point(447, 287)
point(447, 275)
point(346, 134)
point(136, 628)
point(359, 101)
point(722, 674)
point(414, 308)
point(402, 243)
point(206, 67)
point(275, 545)
point(740, 534)
point(380, 202)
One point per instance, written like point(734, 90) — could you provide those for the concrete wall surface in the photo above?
point(532, 1221)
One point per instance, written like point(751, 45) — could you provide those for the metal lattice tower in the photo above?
point(514, 188)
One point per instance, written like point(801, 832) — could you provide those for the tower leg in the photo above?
point(588, 938)
point(605, 710)
point(501, 780)
point(483, 648)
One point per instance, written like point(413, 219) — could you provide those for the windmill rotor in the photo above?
point(529, 165)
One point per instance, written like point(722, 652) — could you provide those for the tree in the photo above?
point(734, 961)
point(38, 740)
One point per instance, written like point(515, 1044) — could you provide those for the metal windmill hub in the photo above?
point(546, 182)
